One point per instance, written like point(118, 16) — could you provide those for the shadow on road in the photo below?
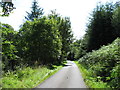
point(66, 65)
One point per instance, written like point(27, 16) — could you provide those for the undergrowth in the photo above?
point(101, 68)
point(28, 77)
point(90, 80)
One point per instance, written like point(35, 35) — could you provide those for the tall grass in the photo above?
point(90, 80)
point(27, 77)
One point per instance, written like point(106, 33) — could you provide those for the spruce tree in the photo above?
point(36, 12)
point(101, 31)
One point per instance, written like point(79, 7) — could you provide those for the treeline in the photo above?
point(103, 28)
point(95, 51)
point(41, 40)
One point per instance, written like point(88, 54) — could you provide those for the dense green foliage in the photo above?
point(42, 41)
point(105, 63)
point(64, 27)
point(48, 40)
point(91, 82)
point(9, 57)
point(101, 31)
point(28, 77)
point(39, 42)
point(101, 63)
point(116, 20)
point(74, 53)
point(102, 28)
point(79, 47)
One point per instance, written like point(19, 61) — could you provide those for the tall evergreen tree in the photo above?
point(116, 20)
point(36, 12)
point(101, 31)
point(67, 36)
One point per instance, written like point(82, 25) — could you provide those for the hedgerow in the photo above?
point(105, 63)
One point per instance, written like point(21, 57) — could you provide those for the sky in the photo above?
point(78, 11)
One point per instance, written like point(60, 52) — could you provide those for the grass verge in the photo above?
point(28, 77)
point(89, 78)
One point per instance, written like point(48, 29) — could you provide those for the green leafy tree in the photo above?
point(9, 57)
point(36, 12)
point(64, 27)
point(42, 41)
point(66, 33)
point(74, 53)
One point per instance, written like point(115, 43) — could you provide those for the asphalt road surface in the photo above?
point(68, 77)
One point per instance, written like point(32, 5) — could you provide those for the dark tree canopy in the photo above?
point(101, 31)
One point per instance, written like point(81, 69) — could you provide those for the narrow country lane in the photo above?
point(68, 77)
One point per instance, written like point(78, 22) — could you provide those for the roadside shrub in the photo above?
point(115, 75)
point(105, 63)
